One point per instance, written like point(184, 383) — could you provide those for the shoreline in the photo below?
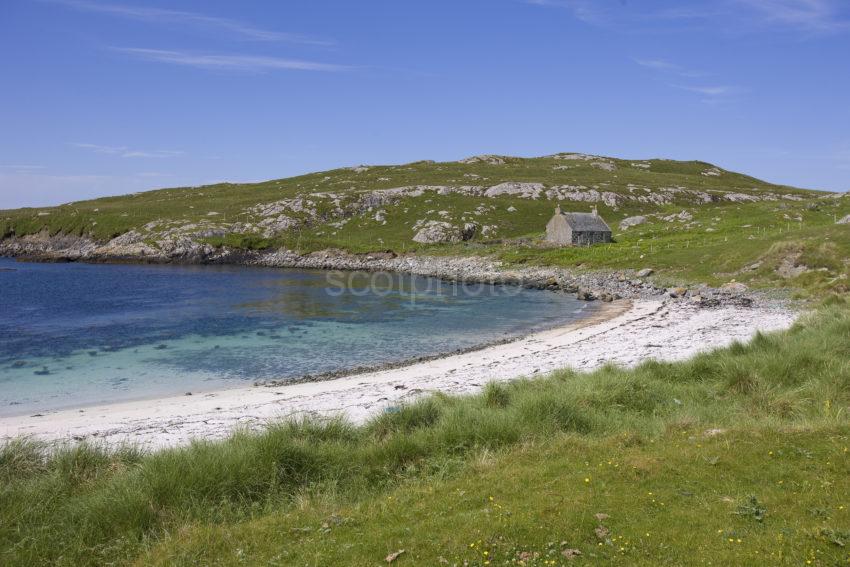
point(621, 332)
point(606, 285)
point(452, 269)
point(595, 308)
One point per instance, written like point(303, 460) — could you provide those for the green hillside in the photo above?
point(701, 223)
point(233, 206)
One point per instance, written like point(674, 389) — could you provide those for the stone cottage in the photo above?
point(577, 229)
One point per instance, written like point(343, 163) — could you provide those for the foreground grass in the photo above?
point(733, 456)
point(739, 498)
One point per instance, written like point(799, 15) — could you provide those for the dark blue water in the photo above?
point(78, 334)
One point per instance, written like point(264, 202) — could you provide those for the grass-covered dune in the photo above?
point(736, 457)
point(700, 223)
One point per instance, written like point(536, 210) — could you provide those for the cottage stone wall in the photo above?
point(590, 237)
point(558, 231)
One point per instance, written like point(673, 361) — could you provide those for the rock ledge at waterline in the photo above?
point(588, 285)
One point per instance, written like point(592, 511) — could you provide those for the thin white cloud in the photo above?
point(165, 16)
point(228, 62)
point(658, 64)
point(735, 16)
point(666, 66)
point(101, 149)
point(714, 95)
point(152, 154)
point(620, 15)
point(687, 13)
point(712, 91)
point(806, 15)
point(583, 10)
point(126, 152)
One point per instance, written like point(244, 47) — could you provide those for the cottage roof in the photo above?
point(586, 222)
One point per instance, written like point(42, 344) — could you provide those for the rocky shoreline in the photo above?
point(587, 285)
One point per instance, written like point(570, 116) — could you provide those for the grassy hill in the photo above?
point(701, 223)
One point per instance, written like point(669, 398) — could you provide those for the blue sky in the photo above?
point(103, 97)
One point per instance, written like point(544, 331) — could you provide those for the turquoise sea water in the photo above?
point(79, 334)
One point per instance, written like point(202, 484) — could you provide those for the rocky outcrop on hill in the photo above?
point(631, 221)
point(515, 189)
point(603, 165)
point(42, 245)
point(435, 232)
point(129, 247)
point(574, 156)
point(683, 216)
point(484, 158)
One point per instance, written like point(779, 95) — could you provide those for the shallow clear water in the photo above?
point(79, 334)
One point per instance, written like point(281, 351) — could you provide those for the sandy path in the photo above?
point(622, 333)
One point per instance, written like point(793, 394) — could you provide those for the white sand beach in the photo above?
point(623, 332)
